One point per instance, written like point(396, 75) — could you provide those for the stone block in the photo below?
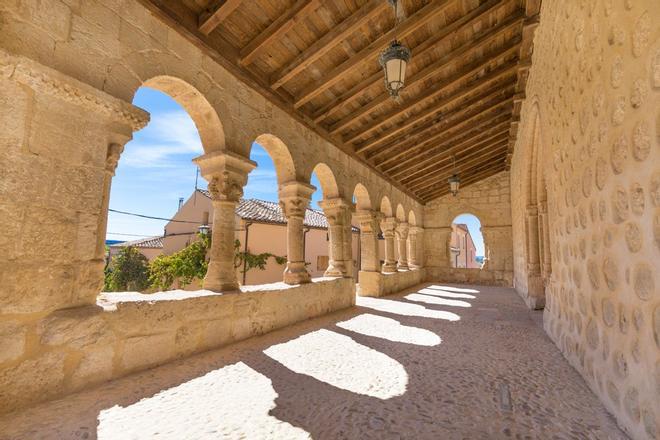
point(12, 340)
point(96, 366)
point(77, 327)
point(35, 287)
point(141, 352)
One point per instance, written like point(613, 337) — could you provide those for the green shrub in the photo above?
point(128, 271)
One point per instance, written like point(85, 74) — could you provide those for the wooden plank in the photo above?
point(469, 112)
point(489, 160)
point(419, 171)
point(464, 74)
point(327, 42)
point(479, 41)
point(488, 125)
point(474, 178)
point(369, 53)
point(212, 17)
point(418, 51)
point(478, 150)
point(277, 28)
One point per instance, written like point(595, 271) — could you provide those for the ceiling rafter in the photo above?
point(419, 51)
point(482, 147)
point(327, 42)
point(444, 189)
point(401, 30)
point(415, 172)
point(481, 39)
point(468, 113)
point(466, 170)
point(499, 122)
point(280, 26)
point(216, 14)
point(473, 69)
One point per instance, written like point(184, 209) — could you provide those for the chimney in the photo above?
point(180, 202)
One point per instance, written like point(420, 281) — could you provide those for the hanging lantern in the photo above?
point(393, 60)
point(204, 229)
point(454, 182)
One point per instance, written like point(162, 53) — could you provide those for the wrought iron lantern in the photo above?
point(454, 182)
point(394, 60)
point(204, 229)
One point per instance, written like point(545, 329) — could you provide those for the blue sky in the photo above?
point(156, 169)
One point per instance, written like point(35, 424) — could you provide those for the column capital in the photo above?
point(369, 220)
point(294, 198)
point(532, 210)
point(226, 173)
point(388, 225)
point(414, 230)
point(402, 230)
point(335, 210)
point(112, 157)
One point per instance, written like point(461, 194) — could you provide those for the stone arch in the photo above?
point(458, 246)
point(327, 179)
point(209, 126)
point(537, 244)
point(412, 219)
point(386, 207)
point(361, 196)
point(400, 213)
point(281, 156)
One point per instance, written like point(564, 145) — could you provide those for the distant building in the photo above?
point(150, 247)
point(462, 248)
point(262, 225)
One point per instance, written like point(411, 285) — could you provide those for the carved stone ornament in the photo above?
point(225, 188)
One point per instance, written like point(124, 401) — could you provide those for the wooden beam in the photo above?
point(475, 178)
point(457, 118)
point(216, 14)
point(418, 51)
point(473, 69)
point(467, 167)
point(479, 41)
point(369, 53)
point(326, 43)
point(478, 153)
point(417, 172)
point(277, 28)
point(501, 122)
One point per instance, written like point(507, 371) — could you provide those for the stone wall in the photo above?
point(590, 128)
point(382, 284)
point(69, 349)
point(489, 201)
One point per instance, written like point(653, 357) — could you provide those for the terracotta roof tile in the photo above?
point(149, 242)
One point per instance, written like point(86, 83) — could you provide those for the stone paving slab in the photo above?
point(449, 362)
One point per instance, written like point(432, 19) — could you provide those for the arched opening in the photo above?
point(400, 213)
point(386, 207)
point(361, 197)
point(412, 220)
point(466, 244)
point(154, 205)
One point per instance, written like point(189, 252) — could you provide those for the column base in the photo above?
point(226, 286)
point(335, 269)
point(389, 267)
point(296, 273)
point(402, 267)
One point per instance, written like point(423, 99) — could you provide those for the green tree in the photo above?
point(185, 265)
point(128, 270)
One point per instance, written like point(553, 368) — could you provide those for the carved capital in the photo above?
point(402, 230)
point(294, 198)
point(368, 220)
point(336, 211)
point(415, 231)
point(388, 225)
point(112, 157)
point(226, 174)
point(226, 187)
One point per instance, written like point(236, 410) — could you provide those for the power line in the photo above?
point(152, 217)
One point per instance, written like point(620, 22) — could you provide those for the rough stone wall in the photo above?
point(594, 92)
point(489, 201)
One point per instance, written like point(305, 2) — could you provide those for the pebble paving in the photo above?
point(435, 362)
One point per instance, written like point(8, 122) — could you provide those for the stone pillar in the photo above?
point(226, 173)
point(544, 237)
point(335, 212)
point(111, 162)
point(347, 236)
point(369, 257)
point(531, 219)
point(387, 226)
point(402, 245)
point(414, 236)
point(294, 199)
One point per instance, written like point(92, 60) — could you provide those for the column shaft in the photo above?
point(294, 198)
point(402, 243)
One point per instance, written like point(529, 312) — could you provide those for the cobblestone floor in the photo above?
point(439, 362)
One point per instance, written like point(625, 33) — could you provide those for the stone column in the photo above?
point(347, 236)
point(294, 199)
point(369, 257)
point(387, 226)
point(111, 162)
point(335, 212)
point(414, 235)
point(402, 245)
point(226, 173)
point(531, 219)
point(544, 238)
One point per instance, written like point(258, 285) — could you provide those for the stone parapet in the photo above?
point(382, 284)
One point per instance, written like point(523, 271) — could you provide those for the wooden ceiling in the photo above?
point(318, 60)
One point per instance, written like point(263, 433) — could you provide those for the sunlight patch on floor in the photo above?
point(436, 292)
point(390, 329)
point(452, 289)
point(403, 308)
point(417, 297)
point(339, 361)
point(232, 402)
